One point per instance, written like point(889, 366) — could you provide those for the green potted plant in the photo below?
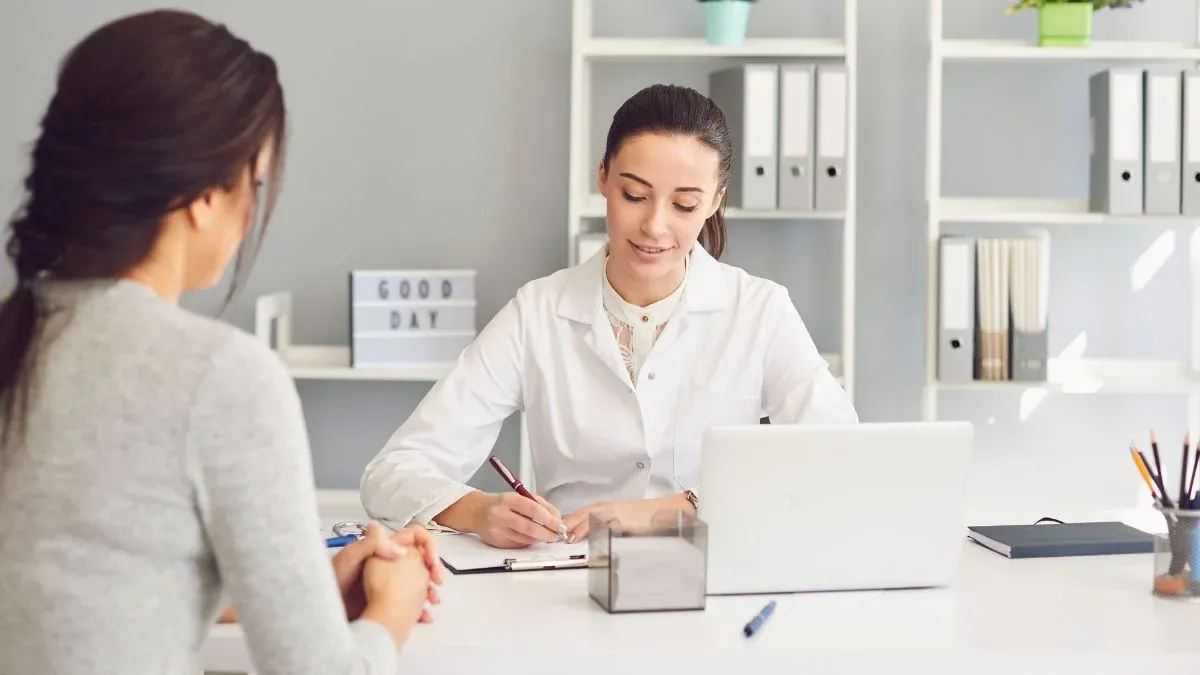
point(1067, 23)
point(725, 20)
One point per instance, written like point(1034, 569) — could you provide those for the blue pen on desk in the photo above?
point(338, 542)
point(757, 622)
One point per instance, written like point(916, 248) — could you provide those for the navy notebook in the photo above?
point(1054, 540)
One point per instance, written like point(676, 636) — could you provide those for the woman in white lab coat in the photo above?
point(621, 362)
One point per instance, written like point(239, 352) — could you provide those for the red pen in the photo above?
point(519, 487)
point(513, 481)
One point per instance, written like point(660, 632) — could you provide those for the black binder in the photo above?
point(1057, 540)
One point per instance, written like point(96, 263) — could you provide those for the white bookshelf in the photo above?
point(273, 327)
point(1066, 375)
point(1099, 376)
point(1067, 211)
point(1099, 50)
point(322, 362)
point(585, 204)
point(698, 48)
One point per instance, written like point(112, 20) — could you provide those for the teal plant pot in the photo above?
point(726, 20)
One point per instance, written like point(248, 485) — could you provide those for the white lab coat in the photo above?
point(734, 348)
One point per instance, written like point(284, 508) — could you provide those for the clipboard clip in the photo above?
point(545, 563)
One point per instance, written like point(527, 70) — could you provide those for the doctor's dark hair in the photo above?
point(150, 112)
point(675, 110)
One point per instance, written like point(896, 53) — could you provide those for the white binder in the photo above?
point(1115, 168)
point(749, 96)
point(956, 309)
point(1163, 165)
point(1191, 144)
point(832, 156)
point(796, 99)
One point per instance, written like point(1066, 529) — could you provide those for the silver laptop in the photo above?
point(794, 508)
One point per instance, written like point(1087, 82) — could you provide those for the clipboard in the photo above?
point(463, 553)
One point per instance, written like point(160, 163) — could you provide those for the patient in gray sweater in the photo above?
point(154, 464)
point(164, 470)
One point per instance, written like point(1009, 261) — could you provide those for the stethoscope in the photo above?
point(345, 533)
point(349, 528)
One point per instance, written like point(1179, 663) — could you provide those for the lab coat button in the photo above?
point(641, 465)
point(650, 375)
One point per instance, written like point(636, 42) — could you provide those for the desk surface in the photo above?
point(1041, 615)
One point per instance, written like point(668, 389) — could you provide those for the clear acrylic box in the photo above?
point(659, 567)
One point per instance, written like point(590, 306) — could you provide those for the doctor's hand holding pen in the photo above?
point(515, 519)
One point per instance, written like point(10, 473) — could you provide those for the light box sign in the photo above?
point(410, 317)
point(390, 317)
point(405, 286)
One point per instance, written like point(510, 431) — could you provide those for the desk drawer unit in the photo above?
point(410, 317)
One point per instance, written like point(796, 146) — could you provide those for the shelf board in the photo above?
point(632, 48)
point(318, 362)
point(1099, 376)
point(1070, 211)
point(594, 207)
point(1099, 50)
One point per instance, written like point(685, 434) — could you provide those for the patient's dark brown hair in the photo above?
point(150, 112)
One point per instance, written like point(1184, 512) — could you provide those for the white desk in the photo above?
point(1068, 615)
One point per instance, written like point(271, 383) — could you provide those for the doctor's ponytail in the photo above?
point(672, 109)
point(712, 237)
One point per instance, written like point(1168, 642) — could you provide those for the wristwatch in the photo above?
point(693, 498)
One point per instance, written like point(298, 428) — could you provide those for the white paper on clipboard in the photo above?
point(466, 553)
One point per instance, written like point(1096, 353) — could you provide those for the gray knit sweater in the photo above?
point(165, 471)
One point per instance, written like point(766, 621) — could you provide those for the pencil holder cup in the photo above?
point(1177, 555)
point(647, 569)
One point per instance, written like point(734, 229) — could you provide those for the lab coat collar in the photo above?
point(582, 294)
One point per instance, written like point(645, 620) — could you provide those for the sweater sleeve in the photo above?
point(252, 473)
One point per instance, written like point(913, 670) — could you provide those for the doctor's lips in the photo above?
point(651, 250)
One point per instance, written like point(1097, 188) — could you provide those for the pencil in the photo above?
point(1184, 499)
point(1139, 461)
point(1156, 477)
point(1157, 461)
point(1192, 482)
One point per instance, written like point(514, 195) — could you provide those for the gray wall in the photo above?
point(381, 84)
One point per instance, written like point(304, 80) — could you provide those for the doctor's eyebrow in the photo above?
point(645, 182)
